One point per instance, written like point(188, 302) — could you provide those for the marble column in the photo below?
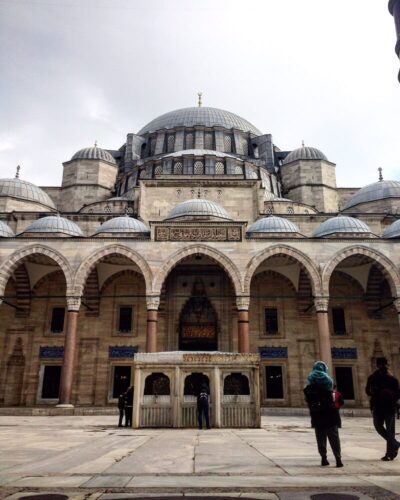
point(325, 352)
point(217, 407)
point(243, 323)
point(153, 303)
point(67, 371)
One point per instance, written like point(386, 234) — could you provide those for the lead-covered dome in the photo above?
point(393, 231)
point(205, 116)
point(5, 230)
point(342, 224)
point(54, 224)
point(304, 153)
point(198, 207)
point(94, 153)
point(24, 190)
point(380, 190)
point(273, 224)
point(125, 224)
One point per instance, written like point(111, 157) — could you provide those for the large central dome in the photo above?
point(208, 117)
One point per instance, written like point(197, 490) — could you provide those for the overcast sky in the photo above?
point(76, 71)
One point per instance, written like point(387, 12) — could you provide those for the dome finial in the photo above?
point(95, 143)
point(302, 143)
point(17, 172)
point(200, 95)
point(380, 174)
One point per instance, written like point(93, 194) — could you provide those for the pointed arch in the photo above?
point(381, 261)
point(13, 261)
point(304, 261)
point(87, 265)
point(225, 262)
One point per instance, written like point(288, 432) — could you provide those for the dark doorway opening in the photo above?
point(122, 380)
point(274, 381)
point(51, 382)
point(344, 381)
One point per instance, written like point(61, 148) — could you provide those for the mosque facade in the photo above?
point(198, 234)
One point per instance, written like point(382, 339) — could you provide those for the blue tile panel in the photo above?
point(119, 352)
point(51, 352)
point(273, 352)
point(344, 353)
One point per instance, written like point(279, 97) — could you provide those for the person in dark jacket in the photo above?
point(325, 418)
point(203, 406)
point(129, 407)
point(121, 407)
point(383, 390)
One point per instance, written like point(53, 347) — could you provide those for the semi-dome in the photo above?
point(24, 190)
point(341, 224)
point(54, 224)
point(393, 231)
point(5, 230)
point(207, 117)
point(94, 153)
point(273, 224)
point(198, 207)
point(373, 192)
point(124, 224)
point(304, 153)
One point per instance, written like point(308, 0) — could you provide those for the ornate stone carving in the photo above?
point(74, 303)
point(153, 302)
point(321, 304)
point(243, 302)
point(210, 233)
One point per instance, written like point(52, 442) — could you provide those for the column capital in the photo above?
point(74, 303)
point(243, 302)
point(321, 304)
point(153, 302)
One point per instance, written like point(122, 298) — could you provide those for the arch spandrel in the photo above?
point(302, 259)
point(384, 264)
point(220, 258)
point(13, 261)
point(91, 260)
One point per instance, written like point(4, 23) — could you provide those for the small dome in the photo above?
point(273, 224)
point(205, 116)
point(124, 224)
point(94, 153)
point(5, 230)
point(198, 207)
point(24, 190)
point(341, 224)
point(304, 153)
point(373, 192)
point(393, 231)
point(54, 224)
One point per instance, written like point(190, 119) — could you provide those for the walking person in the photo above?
point(121, 407)
point(383, 390)
point(203, 406)
point(129, 407)
point(325, 417)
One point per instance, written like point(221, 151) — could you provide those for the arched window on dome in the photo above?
point(158, 170)
point(198, 168)
point(219, 168)
point(170, 143)
point(209, 140)
point(189, 141)
point(227, 143)
point(178, 168)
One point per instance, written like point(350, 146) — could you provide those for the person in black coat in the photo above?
point(121, 407)
point(325, 418)
point(129, 407)
point(383, 390)
point(203, 406)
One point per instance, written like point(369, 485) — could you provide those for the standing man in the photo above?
point(121, 407)
point(203, 407)
point(129, 407)
point(383, 390)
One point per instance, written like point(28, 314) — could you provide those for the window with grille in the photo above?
point(57, 320)
point(219, 168)
point(238, 170)
point(189, 141)
point(228, 144)
point(270, 209)
point(290, 210)
point(198, 168)
point(107, 209)
point(158, 170)
point(170, 143)
point(125, 319)
point(339, 321)
point(178, 168)
point(271, 320)
point(208, 141)
point(274, 382)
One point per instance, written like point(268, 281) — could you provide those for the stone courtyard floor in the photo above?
point(88, 457)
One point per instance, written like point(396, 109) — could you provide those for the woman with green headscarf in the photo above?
point(325, 418)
